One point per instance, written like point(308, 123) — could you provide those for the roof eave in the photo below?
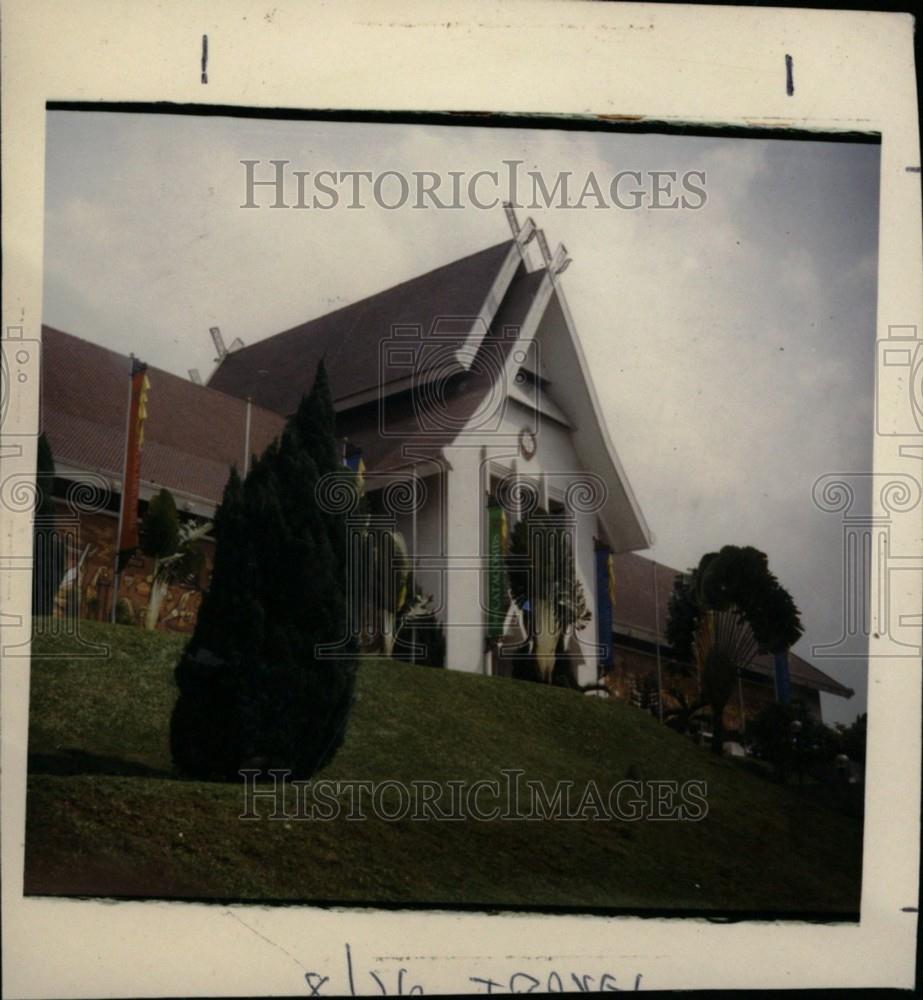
point(488, 311)
point(643, 537)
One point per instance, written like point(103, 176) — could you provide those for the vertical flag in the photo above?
point(131, 475)
point(605, 603)
point(497, 593)
point(783, 681)
point(353, 460)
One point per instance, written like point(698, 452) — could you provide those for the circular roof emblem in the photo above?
point(527, 443)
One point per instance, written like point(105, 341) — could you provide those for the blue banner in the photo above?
point(783, 681)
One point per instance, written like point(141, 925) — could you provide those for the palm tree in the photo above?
point(725, 612)
point(544, 585)
point(173, 545)
point(387, 572)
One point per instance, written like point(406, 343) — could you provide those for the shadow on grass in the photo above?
point(70, 761)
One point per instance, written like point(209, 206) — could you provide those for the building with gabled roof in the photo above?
point(468, 382)
point(460, 388)
point(193, 436)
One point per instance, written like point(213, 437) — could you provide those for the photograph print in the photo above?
point(454, 515)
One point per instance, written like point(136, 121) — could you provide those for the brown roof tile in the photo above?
point(429, 420)
point(193, 434)
point(276, 371)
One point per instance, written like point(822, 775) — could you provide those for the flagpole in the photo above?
point(118, 535)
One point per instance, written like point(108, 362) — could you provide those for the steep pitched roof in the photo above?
point(563, 361)
point(400, 429)
point(642, 594)
point(379, 348)
point(276, 371)
point(192, 437)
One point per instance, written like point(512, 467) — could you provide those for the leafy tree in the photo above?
point(172, 545)
point(159, 531)
point(681, 711)
point(206, 736)
point(47, 552)
point(544, 584)
point(680, 716)
point(395, 614)
point(253, 689)
point(723, 613)
point(772, 737)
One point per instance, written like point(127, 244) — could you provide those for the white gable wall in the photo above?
point(454, 519)
point(473, 459)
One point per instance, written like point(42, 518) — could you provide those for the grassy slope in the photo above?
point(106, 816)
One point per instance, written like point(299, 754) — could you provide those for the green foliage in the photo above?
point(387, 570)
point(851, 739)
point(252, 689)
point(124, 612)
point(544, 584)
point(683, 615)
point(724, 612)
point(44, 474)
point(121, 811)
point(681, 715)
point(773, 739)
point(425, 631)
point(541, 567)
point(47, 546)
point(737, 580)
point(159, 531)
point(172, 545)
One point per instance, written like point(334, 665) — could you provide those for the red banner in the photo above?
point(131, 477)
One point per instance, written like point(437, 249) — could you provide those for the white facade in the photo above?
point(546, 433)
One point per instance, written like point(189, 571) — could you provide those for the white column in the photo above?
point(464, 617)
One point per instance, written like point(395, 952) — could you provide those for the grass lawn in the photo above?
point(107, 815)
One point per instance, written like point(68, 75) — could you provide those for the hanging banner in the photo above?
point(783, 680)
point(497, 589)
point(131, 474)
point(605, 589)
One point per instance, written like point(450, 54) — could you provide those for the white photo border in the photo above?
point(722, 66)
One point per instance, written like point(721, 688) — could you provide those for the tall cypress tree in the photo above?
point(47, 551)
point(252, 689)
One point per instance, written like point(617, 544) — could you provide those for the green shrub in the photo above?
point(47, 546)
point(159, 531)
point(124, 612)
point(252, 690)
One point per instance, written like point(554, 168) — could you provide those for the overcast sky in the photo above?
point(732, 347)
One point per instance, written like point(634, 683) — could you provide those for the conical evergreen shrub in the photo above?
point(160, 526)
point(252, 691)
point(47, 547)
